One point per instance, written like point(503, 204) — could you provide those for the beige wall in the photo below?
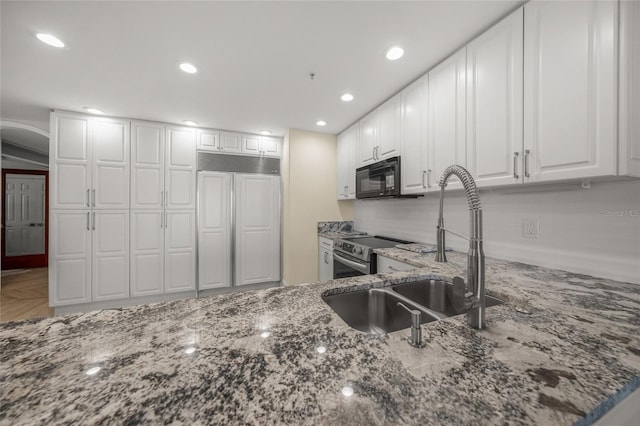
point(310, 192)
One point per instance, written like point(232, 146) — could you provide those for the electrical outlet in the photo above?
point(530, 228)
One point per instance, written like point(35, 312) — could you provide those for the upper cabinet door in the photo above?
point(70, 161)
point(494, 103)
point(388, 135)
point(180, 176)
point(346, 163)
point(447, 116)
point(570, 86)
point(413, 137)
point(208, 140)
point(147, 165)
point(110, 145)
point(214, 230)
point(251, 144)
point(230, 142)
point(271, 147)
point(629, 109)
point(367, 144)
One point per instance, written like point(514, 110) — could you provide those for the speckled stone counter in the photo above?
point(332, 235)
point(281, 355)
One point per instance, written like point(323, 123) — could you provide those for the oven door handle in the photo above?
point(355, 265)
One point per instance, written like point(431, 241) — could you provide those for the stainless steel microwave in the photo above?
point(379, 180)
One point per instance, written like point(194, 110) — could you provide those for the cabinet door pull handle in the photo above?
point(166, 220)
point(391, 268)
point(88, 225)
point(429, 178)
point(94, 221)
point(424, 175)
point(88, 199)
point(526, 163)
point(166, 198)
point(161, 198)
point(94, 198)
point(515, 165)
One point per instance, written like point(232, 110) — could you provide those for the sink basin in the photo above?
point(432, 294)
point(375, 310)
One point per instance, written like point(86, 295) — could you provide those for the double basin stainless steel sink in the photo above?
point(376, 310)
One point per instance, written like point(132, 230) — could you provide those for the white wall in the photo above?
point(580, 229)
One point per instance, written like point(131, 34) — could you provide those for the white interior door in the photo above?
point(257, 228)
point(110, 254)
point(214, 230)
point(110, 145)
point(147, 252)
point(24, 215)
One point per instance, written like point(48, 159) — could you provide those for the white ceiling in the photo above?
point(254, 58)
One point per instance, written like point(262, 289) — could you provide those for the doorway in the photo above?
point(24, 219)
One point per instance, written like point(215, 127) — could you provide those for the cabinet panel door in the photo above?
point(70, 258)
point(367, 140)
point(208, 140)
point(214, 230)
point(342, 164)
point(447, 138)
point(110, 255)
point(494, 103)
point(325, 264)
point(251, 144)
point(257, 229)
point(180, 256)
point(180, 178)
point(110, 146)
point(570, 87)
point(271, 147)
point(70, 159)
point(230, 142)
point(147, 252)
point(629, 112)
point(388, 136)
point(413, 138)
point(147, 165)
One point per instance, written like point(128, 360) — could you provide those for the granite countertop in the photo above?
point(560, 345)
point(332, 235)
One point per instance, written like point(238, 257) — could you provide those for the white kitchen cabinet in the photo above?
point(147, 165)
point(367, 142)
point(147, 252)
point(230, 142)
point(110, 152)
point(180, 170)
point(208, 140)
point(257, 229)
point(325, 259)
point(89, 162)
point(415, 173)
point(388, 129)
point(629, 109)
point(261, 145)
point(570, 87)
point(180, 253)
point(70, 257)
point(495, 102)
point(110, 265)
point(387, 265)
point(70, 161)
point(214, 230)
point(447, 116)
point(346, 163)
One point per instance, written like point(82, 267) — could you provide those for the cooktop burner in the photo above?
point(362, 247)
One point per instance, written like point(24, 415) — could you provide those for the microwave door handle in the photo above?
point(357, 266)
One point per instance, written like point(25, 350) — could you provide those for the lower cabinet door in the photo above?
point(180, 253)
point(110, 275)
point(147, 252)
point(325, 264)
point(70, 257)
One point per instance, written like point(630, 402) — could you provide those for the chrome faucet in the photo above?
point(471, 296)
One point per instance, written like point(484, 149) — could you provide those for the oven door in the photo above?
point(345, 267)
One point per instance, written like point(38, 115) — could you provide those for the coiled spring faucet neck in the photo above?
point(475, 258)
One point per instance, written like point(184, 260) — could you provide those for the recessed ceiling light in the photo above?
point(265, 132)
point(190, 123)
point(394, 53)
point(188, 68)
point(321, 123)
point(93, 110)
point(50, 40)
point(347, 97)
